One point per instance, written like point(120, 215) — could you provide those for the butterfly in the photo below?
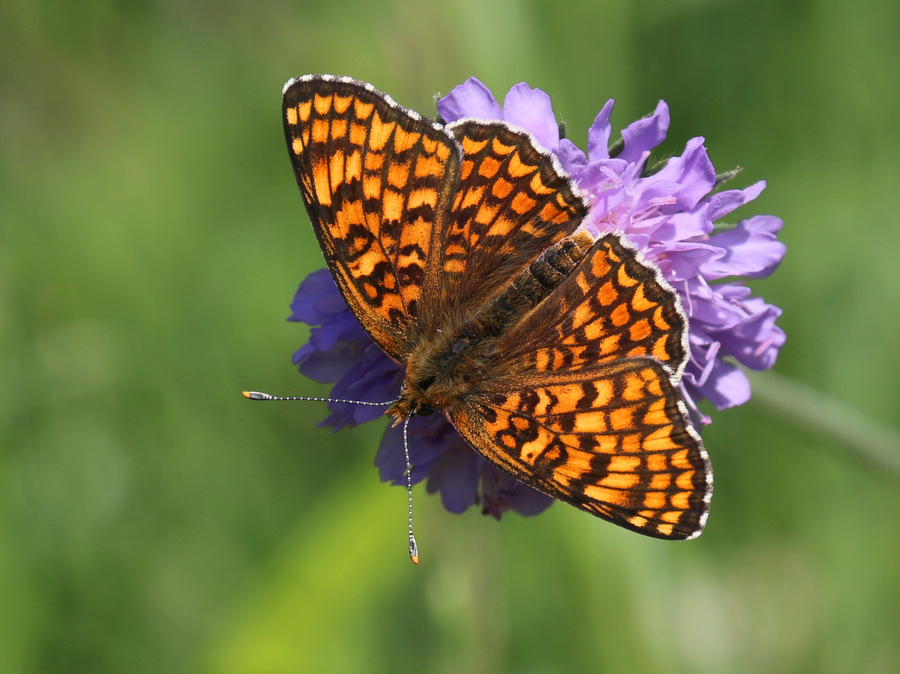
point(556, 354)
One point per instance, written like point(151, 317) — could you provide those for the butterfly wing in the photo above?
point(377, 181)
point(512, 201)
point(591, 414)
point(613, 441)
point(613, 305)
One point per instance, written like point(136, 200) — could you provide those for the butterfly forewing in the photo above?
point(512, 202)
point(376, 180)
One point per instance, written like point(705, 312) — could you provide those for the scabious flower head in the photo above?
point(669, 213)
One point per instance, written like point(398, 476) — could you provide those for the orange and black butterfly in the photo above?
point(555, 354)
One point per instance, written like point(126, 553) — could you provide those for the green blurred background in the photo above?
point(152, 237)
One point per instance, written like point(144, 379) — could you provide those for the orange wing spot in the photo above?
point(665, 529)
point(428, 166)
point(607, 294)
point(661, 481)
point(422, 197)
point(489, 167)
point(640, 330)
point(501, 148)
point(634, 387)
point(501, 188)
point(637, 521)
point(679, 460)
point(404, 140)
point(639, 302)
point(341, 103)
point(320, 180)
point(625, 464)
point(392, 205)
point(610, 344)
point(508, 441)
point(520, 423)
point(338, 128)
point(681, 500)
point(659, 319)
point(374, 162)
point(370, 290)
point(358, 134)
point(583, 284)
point(655, 500)
point(657, 463)
point(371, 186)
point(389, 282)
point(545, 405)
point(353, 166)
point(291, 115)
point(550, 213)
point(622, 418)
point(672, 516)
point(654, 384)
point(621, 481)
point(487, 214)
point(539, 187)
point(455, 251)
point(517, 169)
point(660, 348)
point(624, 279)
point(398, 175)
point(431, 146)
point(322, 104)
point(605, 392)
point(304, 110)
point(521, 203)
point(685, 480)
point(454, 266)
point(471, 146)
point(583, 314)
point(593, 330)
point(321, 130)
point(337, 171)
point(612, 496)
point(380, 133)
point(590, 422)
point(361, 109)
point(620, 316)
point(472, 197)
point(297, 146)
point(600, 263)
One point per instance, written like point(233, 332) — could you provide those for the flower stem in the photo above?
point(865, 438)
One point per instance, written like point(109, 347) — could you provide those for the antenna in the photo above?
point(413, 548)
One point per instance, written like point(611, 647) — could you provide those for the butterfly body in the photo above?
point(556, 354)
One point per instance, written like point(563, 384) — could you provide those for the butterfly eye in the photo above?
point(425, 384)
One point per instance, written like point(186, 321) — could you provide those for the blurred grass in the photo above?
point(152, 238)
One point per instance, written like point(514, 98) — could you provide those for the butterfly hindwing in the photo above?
point(590, 412)
point(611, 306)
point(613, 441)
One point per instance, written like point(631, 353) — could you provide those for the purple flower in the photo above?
point(669, 212)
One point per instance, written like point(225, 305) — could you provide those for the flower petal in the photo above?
point(532, 110)
point(645, 134)
point(470, 99)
